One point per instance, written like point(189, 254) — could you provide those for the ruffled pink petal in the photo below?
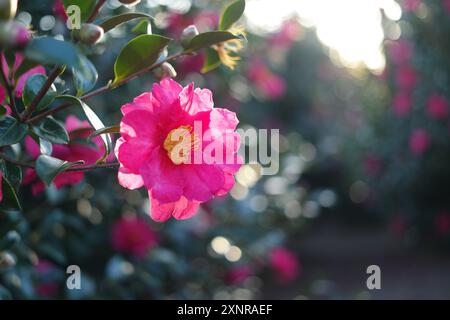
point(141, 102)
point(194, 101)
point(32, 147)
point(204, 181)
point(181, 209)
point(129, 180)
point(166, 93)
point(227, 186)
point(139, 124)
point(162, 177)
point(73, 123)
point(133, 153)
point(223, 119)
point(2, 94)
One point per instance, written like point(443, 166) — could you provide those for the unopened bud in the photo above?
point(165, 71)
point(89, 33)
point(14, 35)
point(8, 9)
point(130, 2)
point(7, 260)
point(187, 35)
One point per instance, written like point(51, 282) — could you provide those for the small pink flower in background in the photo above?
point(406, 77)
point(442, 223)
point(269, 84)
point(69, 152)
point(237, 275)
point(284, 264)
point(411, 5)
point(437, 107)
point(58, 9)
point(372, 164)
point(400, 51)
point(190, 64)
point(177, 22)
point(23, 78)
point(419, 141)
point(402, 103)
point(290, 32)
point(206, 20)
point(45, 288)
point(149, 148)
point(133, 235)
point(447, 6)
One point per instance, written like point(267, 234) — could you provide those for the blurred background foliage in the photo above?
point(364, 143)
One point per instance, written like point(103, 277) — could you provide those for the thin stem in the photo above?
point(32, 107)
point(10, 92)
point(96, 10)
point(75, 168)
point(105, 88)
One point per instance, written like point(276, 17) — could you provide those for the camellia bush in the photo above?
point(99, 140)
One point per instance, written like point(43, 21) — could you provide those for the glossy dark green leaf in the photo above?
point(32, 87)
point(11, 131)
point(45, 147)
point(2, 110)
point(143, 27)
point(85, 76)
point(112, 22)
point(208, 39)
point(12, 172)
point(94, 120)
point(212, 60)
point(112, 129)
point(47, 167)
point(51, 130)
point(10, 199)
point(232, 13)
point(47, 50)
point(138, 54)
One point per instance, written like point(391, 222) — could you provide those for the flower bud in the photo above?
point(187, 35)
point(165, 71)
point(14, 35)
point(7, 260)
point(130, 2)
point(89, 33)
point(8, 9)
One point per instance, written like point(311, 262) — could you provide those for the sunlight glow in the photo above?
point(352, 28)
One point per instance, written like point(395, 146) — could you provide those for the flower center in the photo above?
point(179, 143)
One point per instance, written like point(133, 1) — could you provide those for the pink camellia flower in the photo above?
point(400, 51)
point(406, 77)
point(237, 275)
point(167, 137)
point(419, 141)
point(402, 103)
point(134, 236)
point(69, 152)
point(269, 84)
point(23, 78)
point(45, 288)
point(285, 264)
point(59, 10)
point(442, 223)
point(437, 107)
point(289, 33)
point(411, 5)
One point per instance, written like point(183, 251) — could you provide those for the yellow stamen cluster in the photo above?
point(179, 143)
point(227, 50)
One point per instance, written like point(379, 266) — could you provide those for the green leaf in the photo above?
point(212, 60)
point(138, 54)
point(11, 131)
point(12, 173)
point(10, 199)
point(208, 39)
point(86, 7)
point(112, 129)
point(47, 50)
point(232, 13)
point(2, 110)
point(45, 147)
point(32, 87)
point(94, 120)
point(112, 22)
point(47, 167)
point(52, 130)
point(143, 27)
point(85, 76)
